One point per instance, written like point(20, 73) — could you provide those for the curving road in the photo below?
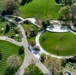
point(28, 55)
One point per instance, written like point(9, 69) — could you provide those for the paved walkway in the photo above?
point(28, 55)
point(10, 40)
point(32, 20)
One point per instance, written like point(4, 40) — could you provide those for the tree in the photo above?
point(32, 69)
point(0, 54)
point(44, 26)
point(63, 62)
point(53, 64)
point(21, 50)
point(73, 9)
point(67, 2)
point(7, 29)
point(42, 58)
point(65, 13)
point(11, 6)
point(32, 43)
point(14, 62)
point(16, 12)
point(44, 37)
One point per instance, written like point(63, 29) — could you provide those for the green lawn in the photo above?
point(7, 50)
point(63, 44)
point(40, 7)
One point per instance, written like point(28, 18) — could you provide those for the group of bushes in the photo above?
point(67, 60)
point(11, 30)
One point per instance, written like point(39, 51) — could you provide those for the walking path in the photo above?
point(32, 20)
point(10, 40)
point(28, 55)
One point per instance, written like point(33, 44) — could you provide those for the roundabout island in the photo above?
point(58, 41)
point(61, 44)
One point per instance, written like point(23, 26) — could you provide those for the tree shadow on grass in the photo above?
point(2, 20)
point(25, 2)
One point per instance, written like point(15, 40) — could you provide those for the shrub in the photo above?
point(7, 28)
point(33, 43)
point(21, 50)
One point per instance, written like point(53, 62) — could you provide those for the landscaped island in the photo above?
point(62, 44)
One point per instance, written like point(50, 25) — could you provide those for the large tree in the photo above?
point(65, 13)
point(14, 61)
point(10, 6)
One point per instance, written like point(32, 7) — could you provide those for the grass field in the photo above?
point(39, 7)
point(65, 47)
point(7, 50)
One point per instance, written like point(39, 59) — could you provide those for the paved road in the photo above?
point(28, 55)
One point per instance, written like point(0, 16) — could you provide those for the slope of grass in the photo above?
point(7, 50)
point(40, 7)
point(63, 44)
